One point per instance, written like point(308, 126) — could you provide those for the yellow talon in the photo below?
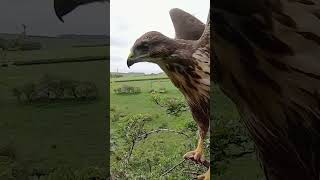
point(198, 154)
point(205, 176)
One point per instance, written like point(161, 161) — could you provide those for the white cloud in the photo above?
point(131, 19)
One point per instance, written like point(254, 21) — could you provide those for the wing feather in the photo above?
point(186, 25)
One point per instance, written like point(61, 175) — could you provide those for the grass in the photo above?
point(53, 135)
point(69, 125)
point(60, 60)
point(56, 53)
point(167, 147)
point(58, 134)
point(133, 77)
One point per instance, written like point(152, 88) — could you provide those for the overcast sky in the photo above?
point(131, 19)
point(40, 18)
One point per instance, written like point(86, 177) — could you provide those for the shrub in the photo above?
point(125, 89)
point(86, 90)
point(135, 125)
point(174, 106)
point(162, 90)
point(53, 88)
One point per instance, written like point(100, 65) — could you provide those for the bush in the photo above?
point(53, 88)
point(125, 89)
point(160, 90)
point(174, 106)
point(86, 90)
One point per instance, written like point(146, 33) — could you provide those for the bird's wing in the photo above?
point(201, 55)
point(202, 52)
point(204, 41)
point(268, 55)
point(270, 35)
point(186, 25)
point(63, 7)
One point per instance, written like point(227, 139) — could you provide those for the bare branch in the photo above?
point(145, 135)
point(172, 168)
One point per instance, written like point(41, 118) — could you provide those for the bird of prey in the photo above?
point(267, 60)
point(63, 7)
point(186, 61)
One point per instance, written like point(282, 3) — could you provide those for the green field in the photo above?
point(43, 136)
point(161, 151)
point(162, 148)
point(71, 135)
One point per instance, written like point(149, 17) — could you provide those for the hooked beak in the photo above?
point(132, 59)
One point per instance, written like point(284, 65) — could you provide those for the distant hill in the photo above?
point(76, 36)
point(137, 74)
point(128, 74)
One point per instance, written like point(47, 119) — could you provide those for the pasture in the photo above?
point(152, 156)
point(57, 139)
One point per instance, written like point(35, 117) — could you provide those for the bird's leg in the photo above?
point(198, 154)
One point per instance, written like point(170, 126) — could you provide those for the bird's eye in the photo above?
point(144, 47)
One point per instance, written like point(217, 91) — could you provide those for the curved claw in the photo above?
point(196, 156)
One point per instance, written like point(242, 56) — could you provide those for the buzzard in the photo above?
point(267, 60)
point(186, 61)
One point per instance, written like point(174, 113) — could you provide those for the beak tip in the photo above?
point(129, 60)
point(129, 63)
point(61, 19)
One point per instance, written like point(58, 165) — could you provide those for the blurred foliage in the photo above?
point(54, 88)
point(230, 141)
point(173, 105)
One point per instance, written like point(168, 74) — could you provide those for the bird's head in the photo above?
point(152, 47)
